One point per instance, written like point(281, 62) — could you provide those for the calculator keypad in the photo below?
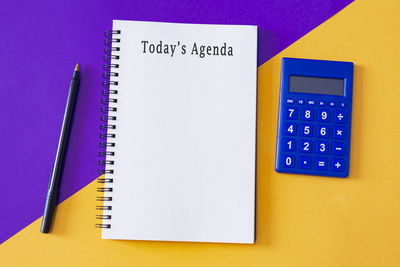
point(314, 135)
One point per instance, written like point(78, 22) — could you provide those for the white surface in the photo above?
point(186, 134)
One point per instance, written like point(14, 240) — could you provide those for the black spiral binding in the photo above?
point(107, 126)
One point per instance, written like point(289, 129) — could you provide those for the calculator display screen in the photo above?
point(316, 85)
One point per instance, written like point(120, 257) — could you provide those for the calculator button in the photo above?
point(337, 165)
point(291, 113)
point(307, 114)
point(321, 103)
point(290, 101)
point(339, 132)
point(305, 162)
point(342, 105)
point(306, 130)
point(339, 116)
point(289, 145)
point(321, 164)
point(332, 104)
point(300, 101)
point(322, 147)
point(337, 148)
point(322, 131)
point(288, 161)
point(306, 146)
point(323, 115)
point(290, 128)
point(311, 102)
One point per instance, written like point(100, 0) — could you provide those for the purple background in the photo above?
point(42, 41)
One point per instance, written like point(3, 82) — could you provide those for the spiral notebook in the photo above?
point(179, 132)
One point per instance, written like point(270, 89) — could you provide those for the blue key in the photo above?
point(288, 161)
point(322, 147)
point(321, 164)
point(322, 131)
point(331, 104)
point(307, 114)
point(323, 115)
point(337, 165)
point(339, 132)
point(338, 148)
point(290, 128)
point(321, 103)
point(291, 113)
point(289, 145)
point(339, 116)
point(342, 105)
point(306, 146)
point(305, 162)
point(306, 130)
point(311, 102)
point(290, 101)
point(300, 101)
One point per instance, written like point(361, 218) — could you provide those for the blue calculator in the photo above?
point(314, 121)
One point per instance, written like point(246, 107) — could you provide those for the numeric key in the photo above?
point(307, 114)
point(306, 146)
point(289, 145)
point(290, 129)
point(288, 161)
point(323, 115)
point(322, 147)
point(306, 130)
point(322, 131)
point(291, 113)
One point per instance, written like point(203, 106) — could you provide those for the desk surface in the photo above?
point(43, 40)
point(301, 220)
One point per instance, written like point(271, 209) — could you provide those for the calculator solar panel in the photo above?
point(314, 121)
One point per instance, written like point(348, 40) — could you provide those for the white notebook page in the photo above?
point(186, 133)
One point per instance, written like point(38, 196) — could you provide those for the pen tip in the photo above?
point(77, 67)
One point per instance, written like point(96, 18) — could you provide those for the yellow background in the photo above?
point(301, 220)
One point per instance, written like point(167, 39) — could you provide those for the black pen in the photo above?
point(52, 190)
